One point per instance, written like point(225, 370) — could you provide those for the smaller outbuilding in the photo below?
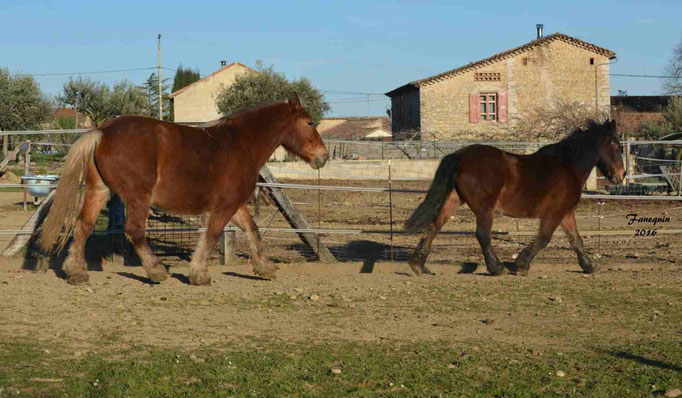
point(195, 103)
point(356, 128)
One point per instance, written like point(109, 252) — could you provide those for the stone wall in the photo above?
point(356, 169)
point(533, 80)
point(628, 121)
point(373, 170)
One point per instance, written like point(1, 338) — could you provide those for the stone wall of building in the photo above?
point(628, 121)
point(533, 80)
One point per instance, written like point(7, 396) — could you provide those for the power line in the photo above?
point(91, 72)
point(650, 76)
point(356, 101)
point(350, 92)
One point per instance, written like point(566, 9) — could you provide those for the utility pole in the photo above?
point(160, 91)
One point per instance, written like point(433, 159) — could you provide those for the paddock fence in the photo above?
point(359, 214)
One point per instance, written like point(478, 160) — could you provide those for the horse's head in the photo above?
point(302, 138)
point(610, 155)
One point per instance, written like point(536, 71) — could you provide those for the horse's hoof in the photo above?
point(497, 271)
point(158, 277)
point(200, 279)
point(265, 269)
point(522, 272)
point(590, 269)
point(78, 279)
point(587, 265)
point(416, 269)
point(427, 271)
point(267, 273)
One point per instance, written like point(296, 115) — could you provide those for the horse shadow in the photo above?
point(99, 246)
point(368, 252)
point(644, 361)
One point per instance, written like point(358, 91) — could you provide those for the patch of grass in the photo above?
point(383, 369)
point(12, 189)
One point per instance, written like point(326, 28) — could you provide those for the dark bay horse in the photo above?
point(546, 185)
point(180, 169)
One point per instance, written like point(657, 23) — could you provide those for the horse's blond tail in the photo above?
point(68, 199)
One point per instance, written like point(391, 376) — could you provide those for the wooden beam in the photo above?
point(30, 226)
point(294, 218)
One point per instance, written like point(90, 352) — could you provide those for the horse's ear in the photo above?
point(294, 101)
point(614, 128)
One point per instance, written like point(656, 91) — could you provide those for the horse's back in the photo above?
point(158, 160)
point(128, 151)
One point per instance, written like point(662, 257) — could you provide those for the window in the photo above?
point(525, 61)
point(591, 61)
point(488, 106)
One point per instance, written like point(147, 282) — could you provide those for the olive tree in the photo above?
point(23, 105)
point(265, 86)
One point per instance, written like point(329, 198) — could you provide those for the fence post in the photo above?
point(390, 205)
point(679, 182)
point(228, 245)
point(627, 160)
point(5, 145)
point(434, 145)
point(27, 163)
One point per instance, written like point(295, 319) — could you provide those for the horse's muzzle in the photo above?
point(319, 161)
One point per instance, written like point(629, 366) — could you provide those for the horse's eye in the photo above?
point(310, 124)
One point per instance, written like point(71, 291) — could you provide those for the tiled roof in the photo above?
point(174, 93)
point(506, 54)
point(640, 103)
point(352, 128)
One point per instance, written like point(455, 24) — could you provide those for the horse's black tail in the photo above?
point(441, 187)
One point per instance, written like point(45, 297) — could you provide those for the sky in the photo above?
point(353, 50)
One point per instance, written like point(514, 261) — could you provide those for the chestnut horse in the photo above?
point(180, 169)
point(546, 185)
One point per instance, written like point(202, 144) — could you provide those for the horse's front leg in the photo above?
point(198, 270)
point(420, 254)
point(547, 226)
point(261, 265)
point(570, 227)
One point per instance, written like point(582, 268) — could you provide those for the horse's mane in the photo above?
point(577, 146)
point(238, 113)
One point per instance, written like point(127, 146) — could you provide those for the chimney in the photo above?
point(223, 64)
point(539, 28)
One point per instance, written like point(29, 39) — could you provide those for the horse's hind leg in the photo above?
point(547, 227)
point(571, 229)
point(136, 221)
point(261, 265)
point(484, 224)
point(198, 270)
point(96, 195)
point(418, 257)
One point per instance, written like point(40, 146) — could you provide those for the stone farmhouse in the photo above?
point(485, 99)
point(195, 103)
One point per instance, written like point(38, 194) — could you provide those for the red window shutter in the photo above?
point(502, 116)
point(474, 110)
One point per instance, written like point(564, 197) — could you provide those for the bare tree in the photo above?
point(554, 121)
point(673, 84)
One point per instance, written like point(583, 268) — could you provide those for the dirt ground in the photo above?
point(366, 296)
